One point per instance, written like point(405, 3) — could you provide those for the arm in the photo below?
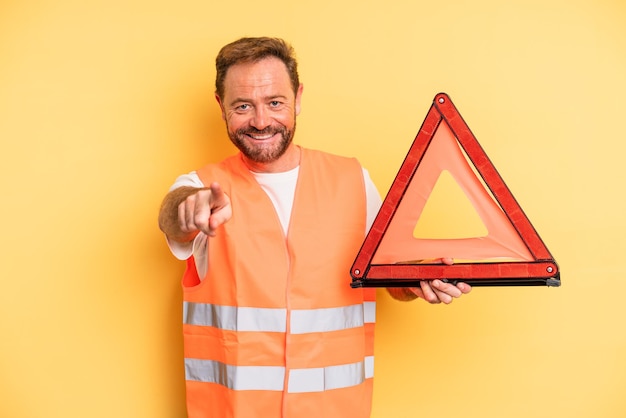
point(403, 294)
point(186, 211)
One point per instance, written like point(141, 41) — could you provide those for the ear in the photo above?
point(219, 102)
point(299, 98)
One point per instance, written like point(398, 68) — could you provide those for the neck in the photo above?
point(288, 161)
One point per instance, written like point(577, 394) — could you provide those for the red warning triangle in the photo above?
point(394, 254)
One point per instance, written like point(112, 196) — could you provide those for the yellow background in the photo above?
point(104, 103)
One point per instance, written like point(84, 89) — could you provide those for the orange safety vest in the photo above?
point(274, 329)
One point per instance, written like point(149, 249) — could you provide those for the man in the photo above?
point(272, 327)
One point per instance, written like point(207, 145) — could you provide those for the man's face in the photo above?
point(260, 108)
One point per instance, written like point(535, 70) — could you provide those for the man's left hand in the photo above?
point(438, 291)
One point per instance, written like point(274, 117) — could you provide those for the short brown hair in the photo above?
point(248, 50)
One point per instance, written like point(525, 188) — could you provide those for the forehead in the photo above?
point(267, 76)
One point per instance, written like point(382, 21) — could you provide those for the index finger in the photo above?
point(218, 197)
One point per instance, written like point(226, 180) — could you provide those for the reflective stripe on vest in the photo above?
point(272, 377)
point(235, 377)
point(332, 319)
point(331, 377)
point(303, 321)
point(234, 318)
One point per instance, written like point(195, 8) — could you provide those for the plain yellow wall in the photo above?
point(104, 103)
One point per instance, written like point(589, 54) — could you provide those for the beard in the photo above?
point(261, 152)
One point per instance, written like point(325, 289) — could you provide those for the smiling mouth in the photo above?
point(262, 137)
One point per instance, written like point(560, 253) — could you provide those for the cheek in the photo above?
point(286, 119)
point(235, 122)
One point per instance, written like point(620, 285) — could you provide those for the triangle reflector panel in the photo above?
point(506, 250)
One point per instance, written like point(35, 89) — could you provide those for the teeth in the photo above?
point(261, 137)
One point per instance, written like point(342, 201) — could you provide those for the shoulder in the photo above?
point(221, 171)
point(325, 158)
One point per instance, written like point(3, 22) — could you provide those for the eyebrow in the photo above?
point(268, 99)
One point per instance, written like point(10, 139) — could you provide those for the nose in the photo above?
point(261, 118)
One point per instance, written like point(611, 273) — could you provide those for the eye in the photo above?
point(275, 103)
point(243, 107)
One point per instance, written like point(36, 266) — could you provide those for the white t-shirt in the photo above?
point(281, 188)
